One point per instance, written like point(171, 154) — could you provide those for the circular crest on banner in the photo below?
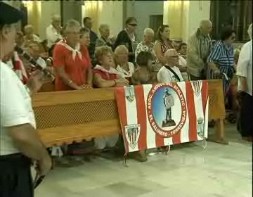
point(166, 109)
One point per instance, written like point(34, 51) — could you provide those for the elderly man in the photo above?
point(170, 72)
point(244, 73)
point(199, 45)
point(104, 40)
point(53, 31)
point(147, 44)
point(19, 140)
point(30, 35)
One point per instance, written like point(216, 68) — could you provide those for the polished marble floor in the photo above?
point(187, 171)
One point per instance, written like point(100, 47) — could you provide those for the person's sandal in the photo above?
point(222, 141)
point(219, 141)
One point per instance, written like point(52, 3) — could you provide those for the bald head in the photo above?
point(171, 56)
point(205, 27)
point(205, 23)
point(56, 20)
point(28, 29)
point(170, 52)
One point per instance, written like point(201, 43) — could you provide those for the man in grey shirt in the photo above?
point(199, 46)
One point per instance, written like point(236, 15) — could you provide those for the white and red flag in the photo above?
point(162, 114)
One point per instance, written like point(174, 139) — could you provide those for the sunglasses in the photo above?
point(134, 25)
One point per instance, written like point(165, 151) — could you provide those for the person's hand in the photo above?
point(36, 80)
point(122, 82)
point(79, 88)
point(216, 73)
point(44, 166)
point(86, 86)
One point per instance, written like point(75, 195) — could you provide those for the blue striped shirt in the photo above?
point(222, 55)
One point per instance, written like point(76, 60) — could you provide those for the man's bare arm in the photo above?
point(28, 142)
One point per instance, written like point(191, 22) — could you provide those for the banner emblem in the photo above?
point(166, 108)
point(132, 134)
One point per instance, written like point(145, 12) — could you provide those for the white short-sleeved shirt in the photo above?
point(125, 74)
point(16, 107)
point(244, 66)
point(165, 75)
point(52, 35)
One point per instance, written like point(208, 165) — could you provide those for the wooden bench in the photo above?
point(72, 116)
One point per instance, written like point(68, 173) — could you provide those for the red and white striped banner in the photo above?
point(163, 114)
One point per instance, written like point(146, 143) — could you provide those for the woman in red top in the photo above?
point(105, 75)
point(71, 60)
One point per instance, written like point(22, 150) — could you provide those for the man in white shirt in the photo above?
point(170, 72)
point(244, 73)
point(53, 31)
point(19, 141)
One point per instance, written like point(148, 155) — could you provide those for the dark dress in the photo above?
point(123, 39)
point(92, 46)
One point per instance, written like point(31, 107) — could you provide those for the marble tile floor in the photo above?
point(187, 171)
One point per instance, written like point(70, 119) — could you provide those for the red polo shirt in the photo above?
point(77, 69)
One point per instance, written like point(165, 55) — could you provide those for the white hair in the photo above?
point(170, 52)
point(148, 31)
point(71, 24)
point(120, 48)
point(250, 31)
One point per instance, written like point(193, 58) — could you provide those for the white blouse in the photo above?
point(125, 74)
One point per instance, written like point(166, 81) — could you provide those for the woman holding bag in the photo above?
point(221, 59)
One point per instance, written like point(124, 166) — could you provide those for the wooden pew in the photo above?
point(72, 116)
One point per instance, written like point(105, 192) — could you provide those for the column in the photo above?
point(184, 17)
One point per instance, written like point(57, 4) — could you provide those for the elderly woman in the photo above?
point(162, 44)
point(147, 43)
point(124, 68)
point(127, 37)
point(104, 40)
point(221, 59)
point(71, 61)
point(221, 65)
point(106, 76)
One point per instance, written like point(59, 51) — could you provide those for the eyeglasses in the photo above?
point(134, 25)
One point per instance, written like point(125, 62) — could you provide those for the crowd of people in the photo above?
point(80, 59)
